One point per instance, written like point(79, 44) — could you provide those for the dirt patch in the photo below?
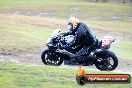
point(27, 59)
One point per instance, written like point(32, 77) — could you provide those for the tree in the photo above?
point(124, 1)
point(104, 0)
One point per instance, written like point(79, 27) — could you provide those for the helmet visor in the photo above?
point(69, 25)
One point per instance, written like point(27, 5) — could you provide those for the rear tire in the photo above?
point(104, 65)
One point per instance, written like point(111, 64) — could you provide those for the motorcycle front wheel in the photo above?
point(51, 58)
point(106, 61)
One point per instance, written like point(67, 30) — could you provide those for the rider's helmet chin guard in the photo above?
point(73, 23)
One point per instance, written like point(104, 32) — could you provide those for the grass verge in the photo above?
point(22, 76)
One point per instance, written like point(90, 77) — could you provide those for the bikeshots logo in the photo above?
point(83, 78)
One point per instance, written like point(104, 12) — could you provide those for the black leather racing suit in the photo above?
point(84, 35)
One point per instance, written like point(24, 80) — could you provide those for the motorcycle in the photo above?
point(97, 54)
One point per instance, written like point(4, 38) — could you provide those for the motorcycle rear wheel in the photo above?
point(103, 61)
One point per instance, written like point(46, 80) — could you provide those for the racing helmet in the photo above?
point(73, 22)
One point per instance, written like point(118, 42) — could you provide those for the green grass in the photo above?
point(83, 9)
point(111, 26)
point(19, 39)
point(22, 76)
point(123, 50)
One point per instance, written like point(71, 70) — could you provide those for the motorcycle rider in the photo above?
point(83, 34)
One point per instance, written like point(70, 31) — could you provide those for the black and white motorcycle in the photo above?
point(100, 55)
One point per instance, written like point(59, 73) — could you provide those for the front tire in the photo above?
point(51, 58)
point(103, 61)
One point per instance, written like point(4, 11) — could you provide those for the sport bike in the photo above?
point(98, 54)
